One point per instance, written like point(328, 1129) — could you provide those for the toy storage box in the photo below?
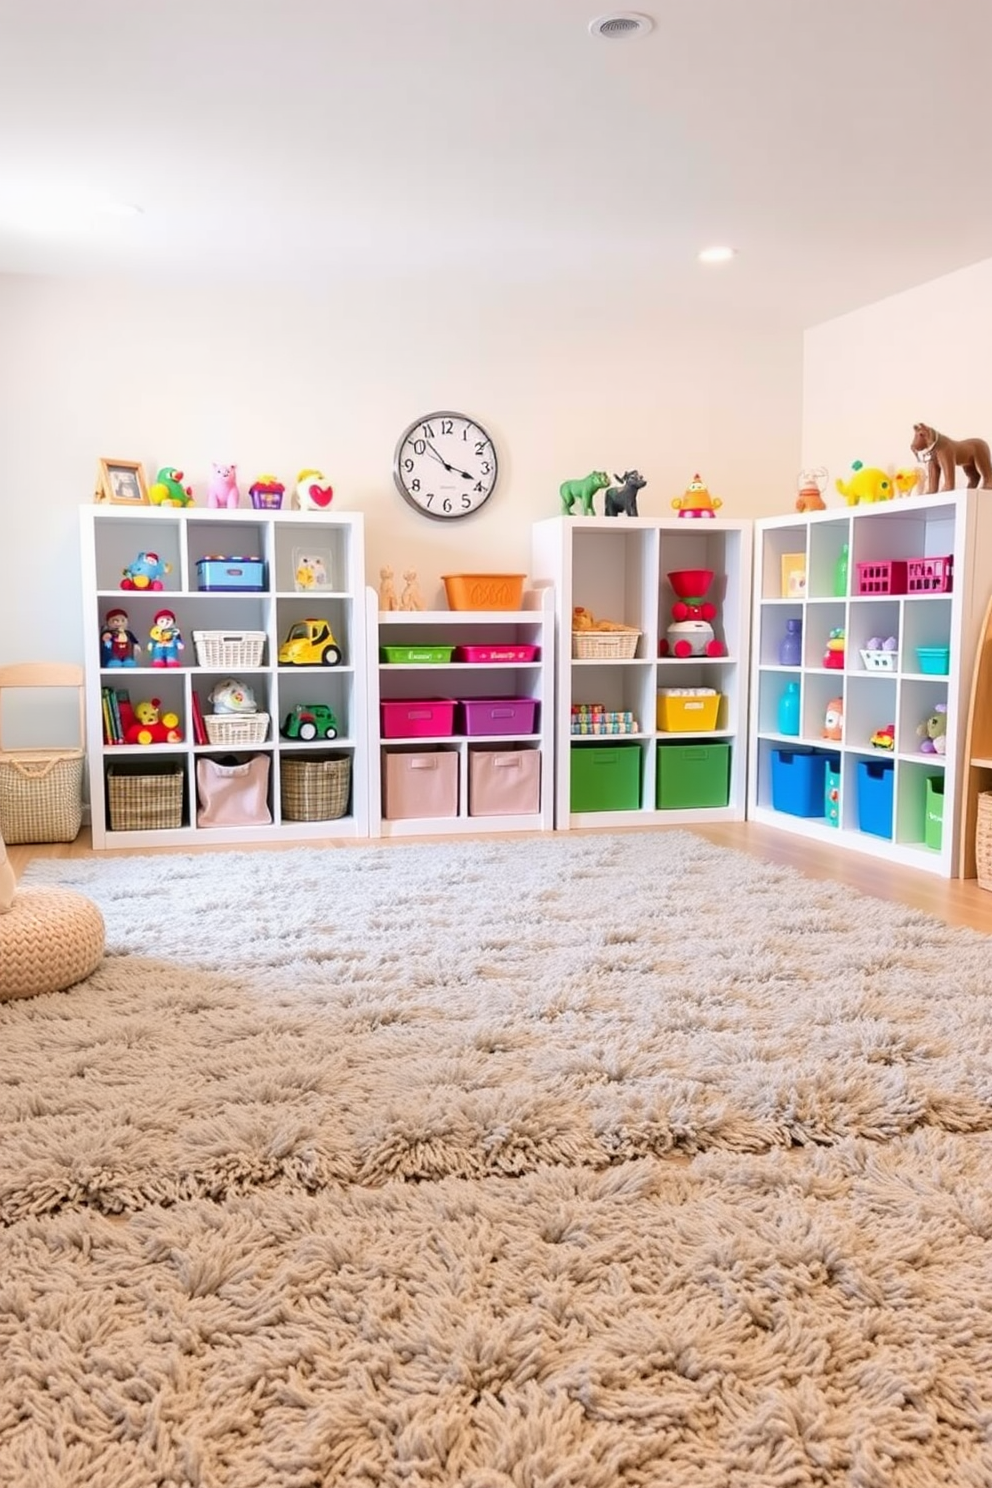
point(933, 825)
point(681, 712)
point(418, 718)
point(507, 715)
point(504, 782)
point(798, 781)
point(419, 784)
point(693, 775)
point(875, 782)
point(230, 575)
point(605, 777)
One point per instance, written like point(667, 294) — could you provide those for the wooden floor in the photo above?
point(957, 901)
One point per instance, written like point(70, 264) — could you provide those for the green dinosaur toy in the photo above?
point(169, 490)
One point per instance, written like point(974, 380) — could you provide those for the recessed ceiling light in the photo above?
point(717, 254)
point(621, 25)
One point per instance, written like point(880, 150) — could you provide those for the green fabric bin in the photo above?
point(605, 777)
point(693, 775)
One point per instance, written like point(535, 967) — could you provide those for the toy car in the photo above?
point(310, 721)
point(310, 643)
point(884, 738)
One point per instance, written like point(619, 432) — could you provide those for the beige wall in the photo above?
point(278, 378)
point(918, 357)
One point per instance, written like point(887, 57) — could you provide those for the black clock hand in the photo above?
point(451, 469)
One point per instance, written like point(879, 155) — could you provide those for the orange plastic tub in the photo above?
point(484, 591)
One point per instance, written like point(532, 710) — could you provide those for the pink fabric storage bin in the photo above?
point(418, 718)
point(504, 782)
point(508, 715)
point(419, 784)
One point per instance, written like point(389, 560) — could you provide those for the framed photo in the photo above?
point(312, 569)
point(121, 483)
point(793, 575)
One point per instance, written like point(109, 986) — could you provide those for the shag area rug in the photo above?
point(569, 1162)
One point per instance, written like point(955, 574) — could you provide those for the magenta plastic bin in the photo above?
point(505, 654)
point(418, 718)
point(507, 715)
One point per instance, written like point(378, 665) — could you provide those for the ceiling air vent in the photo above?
point(621, 24)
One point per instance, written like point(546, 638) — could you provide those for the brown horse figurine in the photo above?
point(940, 455)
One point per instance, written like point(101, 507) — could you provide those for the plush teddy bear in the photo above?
point(934, 731)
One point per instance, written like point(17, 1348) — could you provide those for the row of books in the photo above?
point(119, 716)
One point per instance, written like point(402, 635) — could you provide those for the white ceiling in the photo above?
point(843, 146)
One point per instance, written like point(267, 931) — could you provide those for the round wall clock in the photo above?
point(445, 466)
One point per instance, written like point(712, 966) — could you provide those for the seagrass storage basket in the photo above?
point(983, 841)
point(605, 645)
point(229, 650)
point(145, 796)
point(315, 789)
point(236, 729)
point(41, 790)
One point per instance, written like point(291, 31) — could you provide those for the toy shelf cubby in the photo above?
point(111, 539)
point(617, 568)
point(513, 748)
point(913, 582)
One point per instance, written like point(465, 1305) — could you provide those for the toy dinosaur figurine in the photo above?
point(168, 489)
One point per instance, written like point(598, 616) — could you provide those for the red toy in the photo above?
point(690, 633)
point(833, 656)
point(152, 726)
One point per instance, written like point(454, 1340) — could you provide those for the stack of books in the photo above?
point(596, 718)
point(118, 715)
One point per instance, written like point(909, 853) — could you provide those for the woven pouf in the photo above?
point(50, 939)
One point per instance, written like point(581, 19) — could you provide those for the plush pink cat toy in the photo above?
point(223, 488)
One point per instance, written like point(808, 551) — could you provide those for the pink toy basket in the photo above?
point(885, 577)
point(929, 575)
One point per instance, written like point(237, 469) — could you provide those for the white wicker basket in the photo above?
point(226, 649)
point(881, 661)
point(236, 728)
point(605, 645)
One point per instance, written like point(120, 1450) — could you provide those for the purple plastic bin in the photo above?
point(506, 715)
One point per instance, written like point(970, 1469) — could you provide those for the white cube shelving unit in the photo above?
point(618, 568)
point(920, 613)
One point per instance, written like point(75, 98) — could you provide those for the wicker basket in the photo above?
point(605, 645)
point(41, 797)
point(236, 729)
point(315, 789)
point(227, 649)
point(146, 797)
point(983, 841)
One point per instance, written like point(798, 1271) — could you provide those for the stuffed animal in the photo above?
point(867, 483)
point(152, 726)
point(940, 456)
point(222, 492)
point(934, 731)
point(231, 696)
point(146, 572)
point(168, 489)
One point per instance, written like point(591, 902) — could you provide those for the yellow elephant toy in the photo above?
point(867, 483)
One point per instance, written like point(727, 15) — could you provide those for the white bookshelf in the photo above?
point(532, 625)
point(957, 524)
point(618, 569)
point(112, 537)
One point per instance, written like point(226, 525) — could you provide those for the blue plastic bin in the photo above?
point(798, 777)
point(875, 782)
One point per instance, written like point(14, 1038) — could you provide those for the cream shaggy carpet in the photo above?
point(216, 1272)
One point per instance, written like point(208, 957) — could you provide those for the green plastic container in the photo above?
point(933, 828)
point(693, 775)
point(605, 777)
point(415, 655)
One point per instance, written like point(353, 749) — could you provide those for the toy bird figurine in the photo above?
point(168, 489)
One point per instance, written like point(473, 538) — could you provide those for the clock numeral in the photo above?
point(447, 427)
point(466, 502)
point(480, 446)
point(428, 433)
point(428, 498)
point(420, 447)
point(407, 464)
point(486, 467)
point(415, 484)
point(477, 486)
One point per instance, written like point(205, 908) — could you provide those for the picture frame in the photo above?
point(312, 569)
point(793, 575)
point(121, 483)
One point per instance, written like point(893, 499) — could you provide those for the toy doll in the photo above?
point(166, 640)
point(118, 643)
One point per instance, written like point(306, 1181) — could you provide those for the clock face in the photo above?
point(445, 466)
